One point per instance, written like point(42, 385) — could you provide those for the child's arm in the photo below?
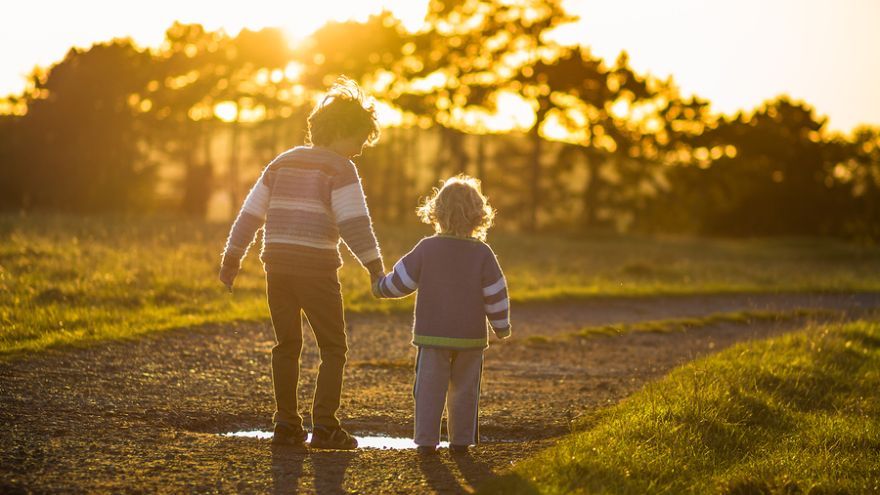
point(251, 217)
point(404, 280)
point(353, 219)
point(495, 299)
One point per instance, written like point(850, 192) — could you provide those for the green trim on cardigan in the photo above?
point(451, 342)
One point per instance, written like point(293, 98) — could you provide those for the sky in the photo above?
point(736, 54)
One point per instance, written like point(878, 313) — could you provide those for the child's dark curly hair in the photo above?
point(458, 208)
point(344, 112)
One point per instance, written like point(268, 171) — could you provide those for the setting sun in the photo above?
point(57, 34)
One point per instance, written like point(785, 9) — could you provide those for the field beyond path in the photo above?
point(145, 414)
point(68, 279)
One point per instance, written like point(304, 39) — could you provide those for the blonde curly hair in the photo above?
point(458, 208)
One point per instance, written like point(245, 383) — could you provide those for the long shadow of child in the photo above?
point(287, 468)
point(327, 469)
point(474, 471)
point(438, 475)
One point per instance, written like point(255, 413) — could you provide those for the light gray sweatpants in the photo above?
point(458, 371)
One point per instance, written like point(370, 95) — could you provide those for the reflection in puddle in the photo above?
point(263, 435)
point(368, 442)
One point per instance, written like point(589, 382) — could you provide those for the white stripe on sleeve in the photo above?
point(257, 201)
point(389, 286)
point(368, 255)
point(348, 202)
point(500, 323)
point(494, 288)
point(496, 307)
point(404, 276)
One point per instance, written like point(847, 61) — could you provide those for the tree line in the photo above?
point(560, 138)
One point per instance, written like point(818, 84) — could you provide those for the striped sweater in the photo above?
point(307, 197)
point(460, 285)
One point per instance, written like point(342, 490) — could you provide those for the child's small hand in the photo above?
point(227, 275)
point(502, 333)
point(375, 288)
point(376, 274)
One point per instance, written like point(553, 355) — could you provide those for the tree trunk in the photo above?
point(442, 155)
point(452, 148)
point(461, 156)
point(389, 170)
point(407, 161)
point(590, 195)
point(481, 157)
point(275, 133)
point(197, 179)
point(535, 185)
point(234, 196)
point(544, 106)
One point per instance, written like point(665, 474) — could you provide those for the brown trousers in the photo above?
point(320, 299)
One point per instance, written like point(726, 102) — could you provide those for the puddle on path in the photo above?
point(367, 442)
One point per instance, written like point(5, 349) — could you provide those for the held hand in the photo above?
point(227, 275)
point(375, 277)
point(503, 333)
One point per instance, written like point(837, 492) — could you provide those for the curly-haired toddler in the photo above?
point(460, 285)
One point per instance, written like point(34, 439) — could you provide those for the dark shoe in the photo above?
point(285, 435)
point(458, 449)
point(426, 450)
point(337, 438)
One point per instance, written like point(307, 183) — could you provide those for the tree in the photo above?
point(12, 186)
point(79, 147)
point(760, 174)
point(853, 170)
point(470, 49)
point(187, 71)
point(246, 55)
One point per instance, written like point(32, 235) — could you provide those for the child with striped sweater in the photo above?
point(308, 198)
point(460, 285)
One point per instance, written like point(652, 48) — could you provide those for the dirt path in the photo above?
point(143, 415)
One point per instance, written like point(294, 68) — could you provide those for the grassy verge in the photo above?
point(796, 414)
point(67, 279)
point(674, 325)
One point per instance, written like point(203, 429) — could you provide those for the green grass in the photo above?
point(796, 414)
point(674, 325)
point(67, 279)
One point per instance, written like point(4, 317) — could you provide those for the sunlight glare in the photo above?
point(620, 108)
point(388, 115)
point(514, 112)
point(553, 129)
point(253, 114)
point(293, 70)
point(570, 127)
point(226, 111)
point(299, 22)
point(429, 83)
